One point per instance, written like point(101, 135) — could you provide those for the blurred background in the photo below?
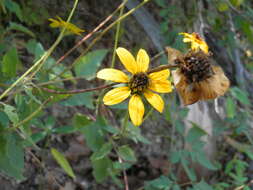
point(207, 145)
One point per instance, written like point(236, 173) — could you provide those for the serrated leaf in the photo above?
point(11, 113)
point(11, 155)
point(62, 161)
point(126, 153)
point(80, 120)
point(87, 65)
point(204, 161)
point(4, 120)
point(102, 152)
point(101, 168)
point(94, 134)
point(10, 63)
point(161, 183)
point(195, 133)
point(85, 99)
point(202, 186)
point(189, 171)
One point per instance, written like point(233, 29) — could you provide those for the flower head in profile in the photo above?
point(197, 43)
point(140, 84)
point(59, 23)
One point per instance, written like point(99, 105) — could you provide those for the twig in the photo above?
point(125, 176)
point(102, 34)
point(43, 58)
point(77, 91)
point(91, 33)
point(160, 68)
point(163, 67)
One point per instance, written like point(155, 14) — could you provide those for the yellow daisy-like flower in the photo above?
point(140, 83)
point(62, 24)
point(196, 41)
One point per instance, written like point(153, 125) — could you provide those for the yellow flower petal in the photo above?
point(160, 75)
point(142, 61)
point(136, 109)
point(55, 23)
point(71, 28)
point(116, 95)
point(155, 100)
point(196, 41)
point(160, 86)
point(127, 59)
point(112, 75)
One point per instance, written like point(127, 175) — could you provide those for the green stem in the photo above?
point(116, 39)
point(28, 118)
point(102, 34)
point(43, 57)
point(124, 125)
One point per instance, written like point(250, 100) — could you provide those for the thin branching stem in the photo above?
point(102, 34)
point(43, 57)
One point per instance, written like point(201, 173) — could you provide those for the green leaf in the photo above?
point(202, 159)
point(240, 95)
point(85, 99)
point(195, 133)
point(10, 63)
point(79, 121)
point(94, 134)
point(189, 171)
point(14, 8)
point(175, 156)
point(102, 152)
point(101, 168)
point(87, 65)
point(62, 161)
point(11, 155)
point(135, 134)
point(161, 183)
point(230, 107)
point(4, 120)
point(11, 112)
point(126, 153)
point(202, 186)
point(29, 92)
point(20, 28)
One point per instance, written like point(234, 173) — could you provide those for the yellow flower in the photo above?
point(140, 83)
point(196, 41)
point(71, 28)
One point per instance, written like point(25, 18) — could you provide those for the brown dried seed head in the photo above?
point(195, 66)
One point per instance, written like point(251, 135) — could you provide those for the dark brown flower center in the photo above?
point(195, 66)
point(138, 82)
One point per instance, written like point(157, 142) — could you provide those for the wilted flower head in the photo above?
point(59, 23)
point(197, 43)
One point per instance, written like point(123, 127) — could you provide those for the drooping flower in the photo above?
point(139, 84)
point(197, 43)
point(59, 23)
